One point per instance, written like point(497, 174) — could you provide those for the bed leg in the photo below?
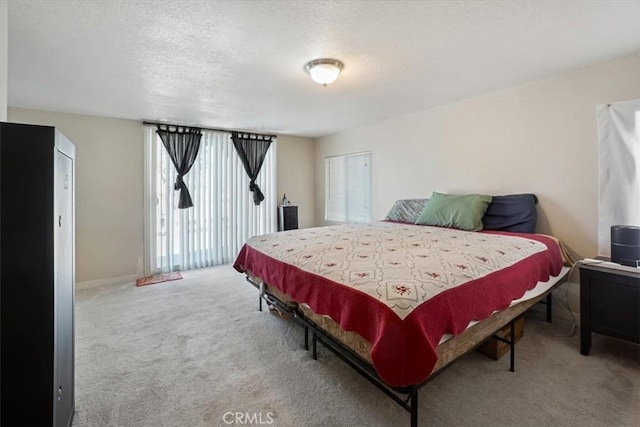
point(414, 408)
point(512, 344)
point(314, 349)
point(260, 302)
point(549, 306)
point(306, 338)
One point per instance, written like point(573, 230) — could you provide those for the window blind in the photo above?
point(348, 188)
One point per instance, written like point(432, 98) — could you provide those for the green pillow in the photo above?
point(464, 212)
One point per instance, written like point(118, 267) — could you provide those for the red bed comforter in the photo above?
point(400, 286)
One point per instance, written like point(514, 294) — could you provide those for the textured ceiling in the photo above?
point(240, 64)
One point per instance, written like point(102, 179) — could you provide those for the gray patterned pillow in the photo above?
point(406, 210)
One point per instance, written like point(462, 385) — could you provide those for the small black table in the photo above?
point(609, 302)
point(287, 217)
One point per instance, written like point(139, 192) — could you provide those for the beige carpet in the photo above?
point(184, 353)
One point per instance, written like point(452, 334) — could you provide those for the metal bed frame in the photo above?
point(355, 361)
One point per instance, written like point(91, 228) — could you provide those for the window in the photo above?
point(223, 216)
point(619, 146)
point(348, 188)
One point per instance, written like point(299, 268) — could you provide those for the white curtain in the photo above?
point(223, 216)
point(619, 145)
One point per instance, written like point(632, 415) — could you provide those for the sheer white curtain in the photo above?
point(223, 216)
point(619, 153)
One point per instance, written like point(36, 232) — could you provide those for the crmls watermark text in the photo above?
point(247, 418)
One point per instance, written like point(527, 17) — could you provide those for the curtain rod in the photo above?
point(207, 128)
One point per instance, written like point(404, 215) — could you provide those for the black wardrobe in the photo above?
point(37, 276)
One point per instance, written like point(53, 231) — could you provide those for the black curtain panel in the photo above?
point(252, 150)
point(182, 144)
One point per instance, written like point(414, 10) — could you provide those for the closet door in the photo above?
point(64, 290)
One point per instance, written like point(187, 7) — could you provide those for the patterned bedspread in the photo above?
point(401, 286)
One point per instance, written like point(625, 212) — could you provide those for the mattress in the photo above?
point(450, 347)
point(402, 287)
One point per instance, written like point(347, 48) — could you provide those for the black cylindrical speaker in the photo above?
point(625, 245)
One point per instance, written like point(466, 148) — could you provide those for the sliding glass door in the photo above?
point(223, 216)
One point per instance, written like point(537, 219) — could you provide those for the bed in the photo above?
point(400, 301)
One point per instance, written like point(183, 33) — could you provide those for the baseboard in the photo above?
point(106, 282)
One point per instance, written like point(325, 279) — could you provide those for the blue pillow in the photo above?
point(514, 212)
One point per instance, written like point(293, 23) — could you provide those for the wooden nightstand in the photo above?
point(609, 302)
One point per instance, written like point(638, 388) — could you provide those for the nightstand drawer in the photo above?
point(609, 303)
point(612, 321)
point(617, 296)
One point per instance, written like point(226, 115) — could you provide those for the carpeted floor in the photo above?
point(185, 353)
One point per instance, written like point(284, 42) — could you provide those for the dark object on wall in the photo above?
point(513, 212)
point(287, 217)
point(36, 276)
point(182, 144)
point(625, 245)
point(252, 149)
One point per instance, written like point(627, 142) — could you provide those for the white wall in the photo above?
point(109, 191)
point(296, 175)
point(537, 138)
point(109, 185)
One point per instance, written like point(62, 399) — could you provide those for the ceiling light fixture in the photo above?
point(324, 71)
